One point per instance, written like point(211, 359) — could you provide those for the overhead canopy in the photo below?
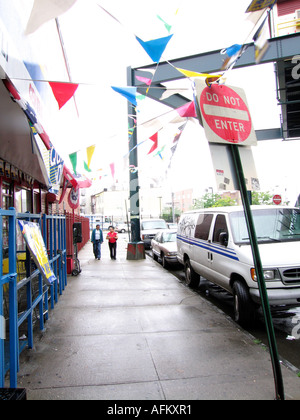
point(17, 143)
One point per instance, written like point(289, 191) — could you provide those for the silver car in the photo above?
point(164, 247)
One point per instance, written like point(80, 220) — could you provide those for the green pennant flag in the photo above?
point(73, 159)
point(86, 167)
point(167, 26)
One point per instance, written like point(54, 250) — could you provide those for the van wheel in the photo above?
point(244, 308)
point(192, 279)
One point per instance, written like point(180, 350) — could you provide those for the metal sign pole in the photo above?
point(259, 272)
point(136, 249)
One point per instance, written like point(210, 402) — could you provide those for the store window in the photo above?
point(7, 202)
point(23, 200)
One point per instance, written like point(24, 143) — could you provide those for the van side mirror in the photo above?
point(223, 238)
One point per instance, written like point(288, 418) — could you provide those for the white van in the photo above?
point(214, 243)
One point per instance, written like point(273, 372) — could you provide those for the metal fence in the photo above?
point(24, 298)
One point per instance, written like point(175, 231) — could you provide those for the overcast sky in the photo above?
point(100, 49)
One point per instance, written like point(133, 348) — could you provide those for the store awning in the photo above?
point(17, 143)
point(50, 169)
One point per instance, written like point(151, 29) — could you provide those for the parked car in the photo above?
point(121, 228)
point(172, 225)
point(149, 229)
point(164, 247)
point(214, 243)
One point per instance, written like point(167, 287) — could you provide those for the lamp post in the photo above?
point(136, 248)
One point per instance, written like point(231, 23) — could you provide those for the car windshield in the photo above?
point(154, 224)
point(272, 225)
point(170, 237)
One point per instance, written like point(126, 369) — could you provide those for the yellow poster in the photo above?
point(35, 243)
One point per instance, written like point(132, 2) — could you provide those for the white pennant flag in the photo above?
point(45, 10)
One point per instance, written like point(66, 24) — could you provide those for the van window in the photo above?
point(272, 225)
point(203, 226)
point(220, 227)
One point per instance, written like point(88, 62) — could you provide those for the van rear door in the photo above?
point(201, 252)
point(222, 256)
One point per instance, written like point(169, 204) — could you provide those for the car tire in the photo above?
point(244, 307)
point(165, 263)
point(192, 279)
point(155, 257)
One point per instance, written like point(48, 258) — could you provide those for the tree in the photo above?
point(225, 202)
point(262, 198)
point(213, 200)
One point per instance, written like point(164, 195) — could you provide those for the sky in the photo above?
point(99, 51)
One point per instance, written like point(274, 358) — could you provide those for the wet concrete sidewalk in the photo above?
point(131, 331)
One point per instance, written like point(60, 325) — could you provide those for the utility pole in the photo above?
point(136, 248)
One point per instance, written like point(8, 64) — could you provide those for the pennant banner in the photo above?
point(156, 47)
point(45, 10)
point(155, 141)
point(73, 159)
point(128, 92)
point(90, 152)
point(63, 92)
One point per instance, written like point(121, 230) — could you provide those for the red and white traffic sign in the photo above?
point(277, 199)
point(225, 114)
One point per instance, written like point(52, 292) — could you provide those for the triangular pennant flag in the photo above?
point(159, 153)
point(189, 73)
point(63, 92)
point(128, 92)
point(90, 152)
point(45, 10)
point(144, 80)
point(156, 47)
point(86, 167)
point(112, 168)
point(167, 26)
point(261, 41)
point(187, 111)
point(73, 159)
point(64, 189)
point(155, 146)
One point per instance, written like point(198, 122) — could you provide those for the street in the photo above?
point(285, 320)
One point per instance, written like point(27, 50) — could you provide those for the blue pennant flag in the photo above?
point(156, 47)
point(129, 93)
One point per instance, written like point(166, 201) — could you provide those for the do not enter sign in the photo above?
point(277, 199)
point(225, 114)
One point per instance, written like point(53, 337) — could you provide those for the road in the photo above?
point(286, 321)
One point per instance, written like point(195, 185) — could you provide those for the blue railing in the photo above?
point(54, 234)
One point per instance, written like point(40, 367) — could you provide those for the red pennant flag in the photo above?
point(187, 111)
point(63, 92)
point(155, 140)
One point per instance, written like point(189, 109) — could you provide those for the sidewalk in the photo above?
point(130, 331)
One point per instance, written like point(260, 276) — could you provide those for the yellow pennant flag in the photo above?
point(189, 73)
point(90, 152)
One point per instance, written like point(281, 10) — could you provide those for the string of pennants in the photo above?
point(257, 13)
